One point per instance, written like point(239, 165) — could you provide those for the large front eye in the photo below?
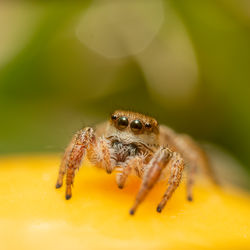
point(122, 122)
point(136, 125)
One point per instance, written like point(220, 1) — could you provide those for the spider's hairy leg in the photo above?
point(98, 153)
point(176, 170)
point(197, 156)
point(192, 153)
point(78, 147)
point(190, 181)
point(63, 165)
point(135, 163)
point(206, 165)
point(152, 174)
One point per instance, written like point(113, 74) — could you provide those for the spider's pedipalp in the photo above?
point(133, 163)
point(152, 174)
point(99, 154)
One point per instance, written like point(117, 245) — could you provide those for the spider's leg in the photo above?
point(152, 174)
point(204, 161)
point(192, 153)
point(196, 156)
point(190, 180)
point(176, 169)
point(99, 154)
point(63, 165)
point(81, 141)
point(135, 163)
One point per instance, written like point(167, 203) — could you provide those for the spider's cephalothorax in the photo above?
point(133, 143)
point(131, 134)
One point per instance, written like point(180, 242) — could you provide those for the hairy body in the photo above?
point(133, 143)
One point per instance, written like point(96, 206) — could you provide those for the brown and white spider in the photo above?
point(133, 143)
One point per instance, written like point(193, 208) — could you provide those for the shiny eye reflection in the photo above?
point(122, 122)
point(136, 125)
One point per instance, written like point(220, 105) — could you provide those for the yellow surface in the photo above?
point(34, 215)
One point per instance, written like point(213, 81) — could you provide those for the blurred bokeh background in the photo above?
point(68, 64)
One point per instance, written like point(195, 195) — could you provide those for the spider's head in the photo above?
point(134, 125)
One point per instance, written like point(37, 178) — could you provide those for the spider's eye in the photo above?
point(122, 122)
point(113, 117)
point(136, 125)
point(148, 125)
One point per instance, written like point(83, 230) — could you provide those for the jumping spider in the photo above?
point(133, 143)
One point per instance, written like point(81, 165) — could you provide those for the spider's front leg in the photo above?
point(63, 165)
point(73, 156)
point(153, 172)
point(176, 170)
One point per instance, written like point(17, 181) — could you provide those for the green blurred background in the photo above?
point(68, 64)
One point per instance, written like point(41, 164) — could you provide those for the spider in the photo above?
point(133, 143)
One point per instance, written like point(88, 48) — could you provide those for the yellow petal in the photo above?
point(34, 215)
